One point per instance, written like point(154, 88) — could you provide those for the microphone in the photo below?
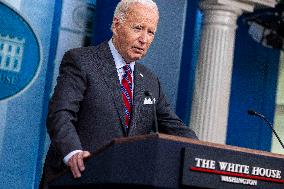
point(149, 94)
point(252, 112)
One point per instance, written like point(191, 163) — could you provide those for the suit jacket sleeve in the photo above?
point(64, 106)
point(168, 121)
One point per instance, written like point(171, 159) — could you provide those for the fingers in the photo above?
point(76, 163)
point(86, 154)
point(73, 164)
point(80, 162)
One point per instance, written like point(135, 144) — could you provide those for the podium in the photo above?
point(164, 161)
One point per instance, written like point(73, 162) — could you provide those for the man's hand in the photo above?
point(76, 163)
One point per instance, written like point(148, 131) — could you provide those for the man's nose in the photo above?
point(143, 38)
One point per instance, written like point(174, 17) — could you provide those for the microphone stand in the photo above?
point(251, 112)
point(147, 93)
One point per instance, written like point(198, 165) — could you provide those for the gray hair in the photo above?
point(123, 6)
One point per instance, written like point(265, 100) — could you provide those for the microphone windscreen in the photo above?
point(251, 112)
point(147, 93)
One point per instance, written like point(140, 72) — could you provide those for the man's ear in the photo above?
point(115, 25)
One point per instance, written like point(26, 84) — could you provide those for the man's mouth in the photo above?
point(138, 49)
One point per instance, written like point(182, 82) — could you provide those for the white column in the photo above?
point(209, 112)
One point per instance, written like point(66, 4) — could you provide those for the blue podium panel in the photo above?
point(25, 34)
point(34, 35)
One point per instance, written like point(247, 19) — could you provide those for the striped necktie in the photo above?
point(126, 88)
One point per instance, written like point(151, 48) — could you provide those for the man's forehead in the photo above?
point(138, 8)
point(145, 19)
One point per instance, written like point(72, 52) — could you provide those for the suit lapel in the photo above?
point(137, 97)
point(109, 74)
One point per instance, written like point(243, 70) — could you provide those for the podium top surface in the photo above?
point(192, 141)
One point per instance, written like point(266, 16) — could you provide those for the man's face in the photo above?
point(134, 35)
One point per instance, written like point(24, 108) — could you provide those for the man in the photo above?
point(102, 92)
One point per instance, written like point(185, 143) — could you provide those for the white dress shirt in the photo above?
point(119, 62)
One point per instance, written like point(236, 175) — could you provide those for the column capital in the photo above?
point(236, 5)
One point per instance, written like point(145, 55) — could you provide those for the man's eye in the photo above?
point(137, 28)
point(151, 32)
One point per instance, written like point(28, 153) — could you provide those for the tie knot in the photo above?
point(127, 68)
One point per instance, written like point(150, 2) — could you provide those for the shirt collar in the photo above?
point(118, 60)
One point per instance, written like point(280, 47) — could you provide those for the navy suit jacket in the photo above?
point(86, 110)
